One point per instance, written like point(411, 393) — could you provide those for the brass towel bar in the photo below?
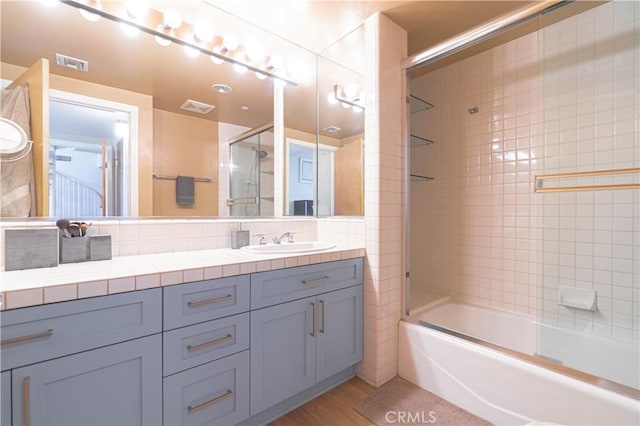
point(540, 178)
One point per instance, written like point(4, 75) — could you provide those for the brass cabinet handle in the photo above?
point(313, 320)
point(315, 280)
point(25, 402)
point(322, 324)
point(209, 344)
point(227, 394)
point(210, 301)
point(24, 339)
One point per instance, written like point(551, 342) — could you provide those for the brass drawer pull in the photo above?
point(315, 280)
point(210, 301)
point(26, 421)
point(199, 407)
point(24, 339)
point(209, 344)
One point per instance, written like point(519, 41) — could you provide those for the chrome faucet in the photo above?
point(278, 240)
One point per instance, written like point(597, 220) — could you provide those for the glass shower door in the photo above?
point(590, 269)
point(244, 179)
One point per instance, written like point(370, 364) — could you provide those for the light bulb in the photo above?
point(216, 60)
point(202, 33)
point(345, 105)
point(276, 62)
point(172, 18)
point(240, 69)
point(351, 91)
point(191, 51)
point(331, 98)
point(254, 51)
point(129, 30)
point(260, 76)
point(161, 40)
point(89, 16)
point(230, 42)
point(137, 8)
point(357, 108)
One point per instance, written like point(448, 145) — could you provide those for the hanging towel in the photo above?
point(17, 179)
point(185, 190)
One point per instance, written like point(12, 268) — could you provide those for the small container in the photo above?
point(99, 247)
point(73, 250)
point(239, 238)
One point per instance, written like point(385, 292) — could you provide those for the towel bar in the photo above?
point(157, 176)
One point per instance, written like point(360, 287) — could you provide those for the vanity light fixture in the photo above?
point(168, 27)
point(221, 88)
point(349, 96)
point(190, 51)
point(240, 69)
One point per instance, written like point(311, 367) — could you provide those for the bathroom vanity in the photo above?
point(239, 349)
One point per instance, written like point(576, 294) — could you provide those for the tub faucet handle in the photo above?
point(262, 240)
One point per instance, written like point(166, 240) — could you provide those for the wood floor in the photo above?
point(334, 408)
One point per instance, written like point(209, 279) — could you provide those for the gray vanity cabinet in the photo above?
point(5, 393)
point(298, 344)
point(115, 385)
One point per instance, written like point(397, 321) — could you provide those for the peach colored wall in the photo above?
point(186, 146)
point(145, 124)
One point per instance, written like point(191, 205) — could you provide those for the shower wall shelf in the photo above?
point(416, 104)
point(420, 178)
point(419, 141)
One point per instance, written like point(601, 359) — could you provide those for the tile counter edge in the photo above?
point(32, 287)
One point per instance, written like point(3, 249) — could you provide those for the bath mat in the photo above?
point(402, 403)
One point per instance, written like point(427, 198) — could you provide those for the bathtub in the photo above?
point(505, 389)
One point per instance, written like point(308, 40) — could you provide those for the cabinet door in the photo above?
point(282, 352)
point(114, 385)
point(339, 343)
point(5, 394)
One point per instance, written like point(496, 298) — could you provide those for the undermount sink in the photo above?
point(287, 248)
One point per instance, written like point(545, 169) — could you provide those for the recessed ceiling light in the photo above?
point(244, 108)
point(221, 88)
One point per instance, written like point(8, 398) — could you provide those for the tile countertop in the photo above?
point(127, 273)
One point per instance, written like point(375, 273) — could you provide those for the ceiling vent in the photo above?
point(332, 129)
point(73, 63)
point(197, 107)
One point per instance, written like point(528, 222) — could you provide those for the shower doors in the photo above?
point(526, 197)
point(251, 175)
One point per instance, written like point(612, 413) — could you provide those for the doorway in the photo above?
point(92, 157)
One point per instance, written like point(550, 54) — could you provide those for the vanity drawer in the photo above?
point(191, 346)
point(43, 332)
point(215, 393)
point(201, 301)
point(273, 287)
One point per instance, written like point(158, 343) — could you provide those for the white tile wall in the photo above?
point(563, 99)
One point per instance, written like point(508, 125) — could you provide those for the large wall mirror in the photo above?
point(147, 110)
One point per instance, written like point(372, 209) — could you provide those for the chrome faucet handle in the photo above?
point(290, 238)
point(262, 240)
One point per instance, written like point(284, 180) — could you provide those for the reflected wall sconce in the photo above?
point(348, 96)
